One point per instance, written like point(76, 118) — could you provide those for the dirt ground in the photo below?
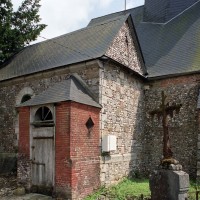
point(8, 183)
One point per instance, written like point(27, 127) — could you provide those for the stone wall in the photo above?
point(122, 115)
point(198, 148)
point(123, 50)
point(183, 127)
point(10, 90)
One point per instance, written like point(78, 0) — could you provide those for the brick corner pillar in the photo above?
point(77, 162)
point(84, 149)
point(23, 163)
point(62, 151)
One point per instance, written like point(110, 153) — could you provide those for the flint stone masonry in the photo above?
point(198, 148)
point(115, 167)
point(123, 49)
point(183, 127)
point(122, 115)
point(8, 163)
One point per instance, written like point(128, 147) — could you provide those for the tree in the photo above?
point(19, 28)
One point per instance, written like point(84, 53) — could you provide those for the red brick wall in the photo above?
point(24, 131)
point(77, 151)
point(84, 150)
point(24, 166)
point(62, 151)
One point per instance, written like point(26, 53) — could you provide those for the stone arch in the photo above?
point(24, 92)
point(23, 95)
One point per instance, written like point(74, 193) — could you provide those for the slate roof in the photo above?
point(161, 11)
point(168, 48)
point(72, 89)
point(82, 45)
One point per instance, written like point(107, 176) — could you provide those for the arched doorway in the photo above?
point(42, 148)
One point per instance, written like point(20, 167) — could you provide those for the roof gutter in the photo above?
point(172, 75)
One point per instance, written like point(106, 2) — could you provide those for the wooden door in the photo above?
point(43, 157)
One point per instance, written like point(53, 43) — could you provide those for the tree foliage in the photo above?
point(18, 28)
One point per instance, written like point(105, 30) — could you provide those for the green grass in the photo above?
point(132, 189)
point(192, 191)
point(126, 189)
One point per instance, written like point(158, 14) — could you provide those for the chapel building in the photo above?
point(75, 109)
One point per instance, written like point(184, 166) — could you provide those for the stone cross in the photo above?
point(164, 111)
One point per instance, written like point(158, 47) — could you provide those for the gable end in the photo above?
point(125, 50)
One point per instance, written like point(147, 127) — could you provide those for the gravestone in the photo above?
point(168, 182)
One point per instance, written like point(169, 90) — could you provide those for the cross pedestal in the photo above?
point(169, 184)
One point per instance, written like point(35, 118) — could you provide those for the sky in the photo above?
point(64, 16)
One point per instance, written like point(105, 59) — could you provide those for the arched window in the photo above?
point(26, 97)
point(43, 114)
point(43, 117)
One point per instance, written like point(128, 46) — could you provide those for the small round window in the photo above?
point(43, 114)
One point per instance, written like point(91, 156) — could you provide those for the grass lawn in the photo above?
point(127, 189)
point(132, 189)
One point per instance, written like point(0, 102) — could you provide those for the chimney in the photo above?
point(161, 11)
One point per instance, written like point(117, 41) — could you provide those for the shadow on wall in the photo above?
point(137, 166)
point(8, 163)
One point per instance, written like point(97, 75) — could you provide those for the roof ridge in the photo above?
point(123, 11)
point(79, 30)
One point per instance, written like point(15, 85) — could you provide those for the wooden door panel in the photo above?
point(43, 159)
point(43, 132)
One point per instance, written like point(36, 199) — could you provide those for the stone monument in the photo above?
point(169, 182)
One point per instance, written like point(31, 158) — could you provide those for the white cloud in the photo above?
point(105, 3)
point(63, 16)
point(134, 3)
